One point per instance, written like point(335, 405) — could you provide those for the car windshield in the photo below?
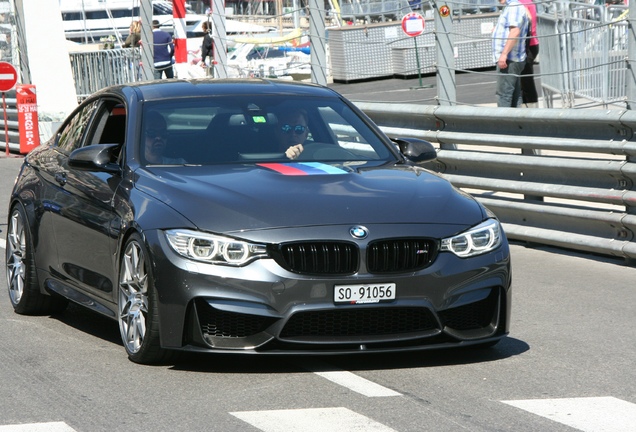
point(256, 128)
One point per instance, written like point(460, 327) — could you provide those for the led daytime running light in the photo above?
point(213, 249)
point(479, 240)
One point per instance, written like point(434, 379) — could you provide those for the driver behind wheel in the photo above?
point(292, 131)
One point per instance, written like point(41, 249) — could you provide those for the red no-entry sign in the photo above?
point(8, 76)
point(413, 24)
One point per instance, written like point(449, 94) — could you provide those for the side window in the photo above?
point(71, 135)
point(109, 125)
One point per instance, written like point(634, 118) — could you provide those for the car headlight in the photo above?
point(478, 240)
point(213, 249)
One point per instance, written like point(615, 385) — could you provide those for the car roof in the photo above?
point(179, 88)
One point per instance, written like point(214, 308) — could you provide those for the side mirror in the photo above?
point(97, 157)
point(416, 150)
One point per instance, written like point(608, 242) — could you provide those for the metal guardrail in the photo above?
point(559, 177)
point(564, 178)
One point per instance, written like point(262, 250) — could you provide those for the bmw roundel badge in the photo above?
point(358, 232)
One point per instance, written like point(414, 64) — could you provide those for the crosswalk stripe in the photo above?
point(349, 380)
point(590, 414)
point(357, 384)
point(38, 427)
point(311, 420)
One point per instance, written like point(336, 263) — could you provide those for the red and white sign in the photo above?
point(180, 41)
point(8, 76)
point(413, 24)
point(27, 117)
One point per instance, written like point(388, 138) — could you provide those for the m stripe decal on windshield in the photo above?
point(303, 168)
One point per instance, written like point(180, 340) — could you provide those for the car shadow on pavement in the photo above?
point(106, 329)
point(90, 322)
point(237, 363)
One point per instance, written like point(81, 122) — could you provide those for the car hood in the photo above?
point(247, 197)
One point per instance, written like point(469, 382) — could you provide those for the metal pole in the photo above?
point(446, 85)
point(180, 38)
point(219, 36)
point(6, 126)
point(417, 59)
point(296, 13)
point(630, 72)
point(317, 40)
point(147, 49)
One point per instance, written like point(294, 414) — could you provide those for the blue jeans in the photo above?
point(509, 85)
point(167, 70)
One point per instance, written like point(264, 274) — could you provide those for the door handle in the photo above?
point(60, 178)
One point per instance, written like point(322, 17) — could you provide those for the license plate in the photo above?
point(359, 294)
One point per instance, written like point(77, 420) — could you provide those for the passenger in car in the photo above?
point(155, 139)
point(292, 131)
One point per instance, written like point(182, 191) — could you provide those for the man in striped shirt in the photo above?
point(509, 52)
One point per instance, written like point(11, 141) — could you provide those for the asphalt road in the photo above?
point(567, 365)
point(475, 88)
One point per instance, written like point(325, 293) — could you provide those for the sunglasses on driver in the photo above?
point(298, 129)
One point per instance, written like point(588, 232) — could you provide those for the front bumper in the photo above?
point(262, 308)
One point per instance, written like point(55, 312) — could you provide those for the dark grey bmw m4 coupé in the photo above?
point(252, 216)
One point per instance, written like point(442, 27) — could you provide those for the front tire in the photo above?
point(138, 314)
point(24, 289)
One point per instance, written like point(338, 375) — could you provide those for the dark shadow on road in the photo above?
point(90, 322)
point(260, 364)
point(107, 330)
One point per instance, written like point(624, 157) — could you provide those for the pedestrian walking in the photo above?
point(207, 48)
point(509, 52)
point(163, 49)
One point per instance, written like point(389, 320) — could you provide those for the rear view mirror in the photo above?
point(98, 157)
point(416, 150)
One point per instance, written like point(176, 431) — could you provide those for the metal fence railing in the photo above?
point(583, 50)
point(98, 69)
point(569, 180)
point(471, 7)
point(374, 10)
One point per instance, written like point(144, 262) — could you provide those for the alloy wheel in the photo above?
point(133, 297)
point(16, 255)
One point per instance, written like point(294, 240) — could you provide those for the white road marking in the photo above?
point(311, 420)
point(38, 427)
point(591, 414)
point(348, 380)
point(357, 384)
point(3, 243)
